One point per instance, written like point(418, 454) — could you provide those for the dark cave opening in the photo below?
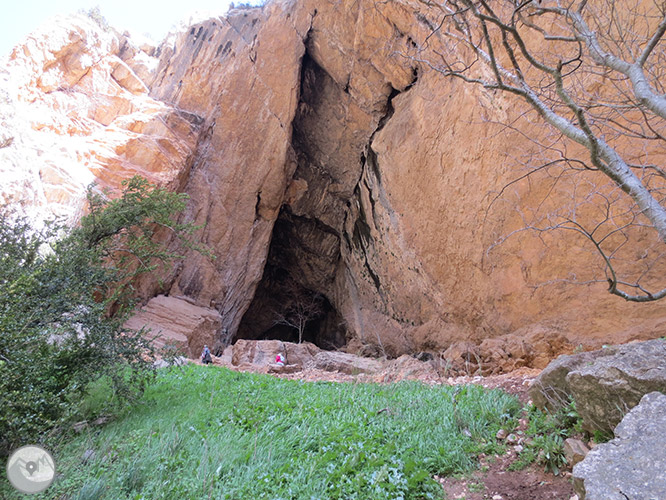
point(301, 265)
point(304, 256)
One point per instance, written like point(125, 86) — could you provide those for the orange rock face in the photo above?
point(176, 322)
point(77, 113)
point(322, 159)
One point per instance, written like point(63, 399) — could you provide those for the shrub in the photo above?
point(95, 14)
point(64, 296)
point(546, 432)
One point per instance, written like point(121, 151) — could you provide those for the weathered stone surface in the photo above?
point(284, 369)
point(263, 352)
point(127, 79)
point(314, 148)
point(77, 114)
point(551, 388)
point(633, 465)
point(242, 75)
point(335, 361)
point(531, 347)
point(605, 384)
point(574, 451)
point(176, 321)
point(612, 385)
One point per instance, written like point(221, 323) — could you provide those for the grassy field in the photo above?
point(206, 432)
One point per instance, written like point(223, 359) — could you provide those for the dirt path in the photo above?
point(493, 480)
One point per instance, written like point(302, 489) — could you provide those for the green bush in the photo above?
point(64, 295)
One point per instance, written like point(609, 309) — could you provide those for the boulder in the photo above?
point(633, 465)
point(604, 384)
point(263, 352)
point(335, 361)
point(226, 356)
point(551, 388)
point(575, 450)
point(174, 320)
point(462, 357)
point(528, 347)
point(284, 369)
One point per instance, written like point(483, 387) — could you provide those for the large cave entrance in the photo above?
point(291, 299)
point(304, 260)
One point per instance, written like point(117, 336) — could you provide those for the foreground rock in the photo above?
point(574, 451)
point(604, 384)
point(633, 465)
point(177, 322)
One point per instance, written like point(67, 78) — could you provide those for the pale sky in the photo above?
point(20, 17)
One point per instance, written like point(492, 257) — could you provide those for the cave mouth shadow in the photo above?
point(320, 329)
point(304, 257)
point(278, 298)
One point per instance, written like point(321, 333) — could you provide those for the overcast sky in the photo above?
point(20, 17)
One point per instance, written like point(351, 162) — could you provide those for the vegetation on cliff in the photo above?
point(64, 295)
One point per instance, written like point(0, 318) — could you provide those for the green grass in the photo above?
point(203, 432)
point(547, 431)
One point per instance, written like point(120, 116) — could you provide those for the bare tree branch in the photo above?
point(590, 69)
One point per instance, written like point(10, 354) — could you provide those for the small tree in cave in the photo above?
point(303, 307)
point(594, 71)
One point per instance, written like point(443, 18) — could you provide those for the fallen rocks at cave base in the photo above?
point(263, 352)
point(407, 367)
point(633, 465)
point(336, 361)
point(604, 384)
point(533, 348)
point(260, 355)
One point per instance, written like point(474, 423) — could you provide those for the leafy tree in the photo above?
point(64, 296)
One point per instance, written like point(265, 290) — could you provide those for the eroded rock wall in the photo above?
point(74, 110)
point(316, 148)
point(241, 74)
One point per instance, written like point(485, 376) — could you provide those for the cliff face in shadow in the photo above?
point(326, 161)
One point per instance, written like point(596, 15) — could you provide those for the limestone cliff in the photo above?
point(73, 110)
point(323, 159)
